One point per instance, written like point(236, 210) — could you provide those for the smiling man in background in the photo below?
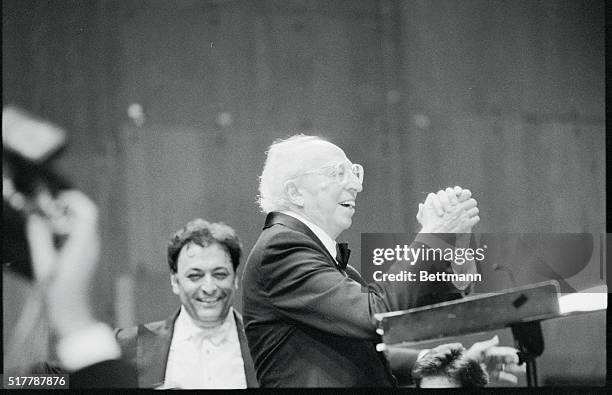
point(203, 345)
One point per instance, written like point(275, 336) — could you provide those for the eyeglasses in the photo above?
point(341, 171)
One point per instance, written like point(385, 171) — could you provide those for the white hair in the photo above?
point(284, 160)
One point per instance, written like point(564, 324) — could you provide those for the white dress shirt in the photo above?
point(205, 357)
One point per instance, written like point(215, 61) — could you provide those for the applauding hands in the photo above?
point(452, 210)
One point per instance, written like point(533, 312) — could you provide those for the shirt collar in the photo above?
point(328, 242)
point(185, 328)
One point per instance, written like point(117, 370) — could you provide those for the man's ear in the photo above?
point(293, 193)
point(236, 281)
point(174, 283)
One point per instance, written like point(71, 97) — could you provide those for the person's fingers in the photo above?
point(80, 251)
point(499, 361)
point(471, 222)
point(472, 212)
point(502, 363)
point(452, 196)
point(78, 218)
point(464, 195)
point(419, 215)
point(515, 368)
point(492, 342)
point(478, 349)
point(468, 204)
point(504, 358)
point(502, 376)
point(438, 206)
point(507, 377)
point(42, 248)
point(433, 201)
point(429, 197)
point(508, 354)
point(444, 199)
point(78, 205)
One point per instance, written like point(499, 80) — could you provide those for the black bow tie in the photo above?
point(342, 254)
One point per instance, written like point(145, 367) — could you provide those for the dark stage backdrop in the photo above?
point(503, 97)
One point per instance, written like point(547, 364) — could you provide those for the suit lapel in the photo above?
point(354, 275)
point(153, 349)
point(295, 224)
point(249, 370)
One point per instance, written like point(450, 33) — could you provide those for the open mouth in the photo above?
point(209, 301)
point(348, 204)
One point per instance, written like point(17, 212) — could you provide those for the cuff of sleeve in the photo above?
point(436, 240)
point(88, 346)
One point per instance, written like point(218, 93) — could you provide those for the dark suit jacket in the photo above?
point(113, 373)
point(148, 346)
point(309, 323)
point(106, 374)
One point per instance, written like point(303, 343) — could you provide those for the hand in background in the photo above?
point(501, 363)
point(66, 271)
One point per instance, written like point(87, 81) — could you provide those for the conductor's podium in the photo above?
point(522, 309)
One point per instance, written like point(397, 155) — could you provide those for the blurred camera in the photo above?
point(29, 182)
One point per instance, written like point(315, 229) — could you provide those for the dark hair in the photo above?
point(204, 233)
point(448, 360)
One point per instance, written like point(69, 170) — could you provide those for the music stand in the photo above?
point(521, 308)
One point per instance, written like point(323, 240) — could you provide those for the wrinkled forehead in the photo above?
point(318, 153)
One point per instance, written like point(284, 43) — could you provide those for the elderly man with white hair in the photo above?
point(309, 317)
